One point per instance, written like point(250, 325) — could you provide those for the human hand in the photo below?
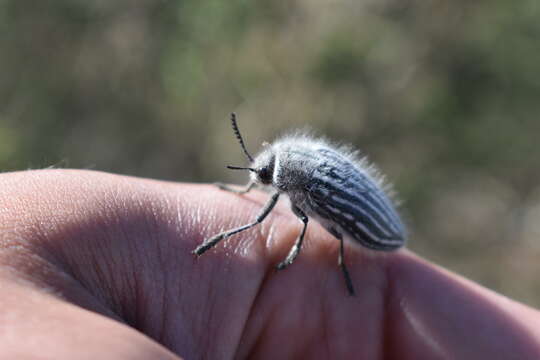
point(99, 266)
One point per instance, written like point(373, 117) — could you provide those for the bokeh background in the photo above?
point(443, 95)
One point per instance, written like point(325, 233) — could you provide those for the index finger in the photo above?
point(437, 314)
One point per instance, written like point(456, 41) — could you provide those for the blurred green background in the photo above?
point(443, 95)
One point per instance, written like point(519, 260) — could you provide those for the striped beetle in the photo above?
point(330, 184)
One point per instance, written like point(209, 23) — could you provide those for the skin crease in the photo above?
point(94, 265)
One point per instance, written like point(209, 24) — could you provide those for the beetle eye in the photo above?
point(264, 175)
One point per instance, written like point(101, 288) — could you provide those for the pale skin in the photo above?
point(99, 266)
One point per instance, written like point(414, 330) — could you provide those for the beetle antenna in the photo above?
point(239, 137)
point(241, 168)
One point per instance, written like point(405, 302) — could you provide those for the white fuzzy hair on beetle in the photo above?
point(328, 183)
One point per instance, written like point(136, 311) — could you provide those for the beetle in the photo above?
point(328, 183)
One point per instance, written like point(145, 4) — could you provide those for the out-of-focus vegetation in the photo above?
point(443, 95)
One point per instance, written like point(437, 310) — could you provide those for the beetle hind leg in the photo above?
point(341, 261)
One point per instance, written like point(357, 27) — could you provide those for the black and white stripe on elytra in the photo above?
point(357, 183)
point(357, 230)
point(326, 182)
point(363, 225)
point(360, 205)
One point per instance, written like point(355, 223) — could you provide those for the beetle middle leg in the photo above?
point(295, 250)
